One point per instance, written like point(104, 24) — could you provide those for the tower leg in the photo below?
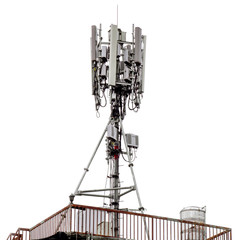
point(83, 176)
point(141, 208)
point(91, 159)
point(131, 168)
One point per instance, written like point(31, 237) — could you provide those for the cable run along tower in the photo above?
point(118, 74)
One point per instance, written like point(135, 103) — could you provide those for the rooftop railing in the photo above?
point(101, 222)
point(21, 234)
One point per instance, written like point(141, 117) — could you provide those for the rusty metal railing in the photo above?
point(79, 219)
point(21, 234)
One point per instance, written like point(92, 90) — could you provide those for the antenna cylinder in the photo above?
point(138, 44)
point(126, 54)
point(113, 55)
point(143, 64)
point(103, 72)
point(94, 43)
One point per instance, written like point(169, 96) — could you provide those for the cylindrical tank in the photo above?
point(195, 214)
point(193, 231)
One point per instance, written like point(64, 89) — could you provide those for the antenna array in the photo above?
point(118, 66)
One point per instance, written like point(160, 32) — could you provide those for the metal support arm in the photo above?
point(103, 190)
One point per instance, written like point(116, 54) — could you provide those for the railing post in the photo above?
point(152, 228)
point(71, 218)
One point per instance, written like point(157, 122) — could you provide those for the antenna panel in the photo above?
point(94, 43)
point(104, 53)
point(113, 55)
point(143, 65)
point(138, 44)
point(132, 140)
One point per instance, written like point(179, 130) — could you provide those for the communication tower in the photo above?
point(118, 74)
point(118, 77)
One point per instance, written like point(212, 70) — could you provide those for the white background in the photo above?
point(189, 121)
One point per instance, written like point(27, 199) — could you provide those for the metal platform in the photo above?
point(86, 222)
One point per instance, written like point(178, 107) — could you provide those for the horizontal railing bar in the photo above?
point(218, 235)
point(23, 229)
point(53, 215)
point(13, 234)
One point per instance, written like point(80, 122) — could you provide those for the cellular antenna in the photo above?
point(117, 14)
point(118, 76)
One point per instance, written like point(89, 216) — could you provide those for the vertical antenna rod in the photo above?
point(117, 14)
